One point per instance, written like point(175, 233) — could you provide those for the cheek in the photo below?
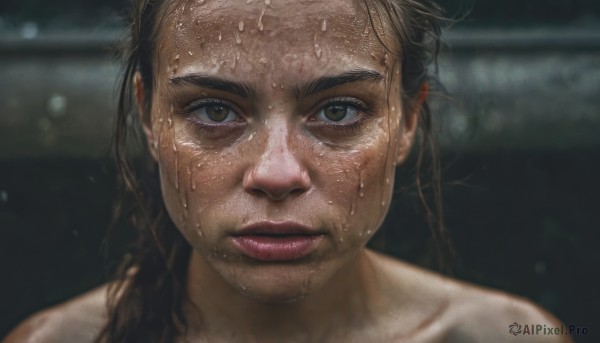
point(360, 183)
point(194, 180)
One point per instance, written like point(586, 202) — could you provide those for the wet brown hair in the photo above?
point(146, 301)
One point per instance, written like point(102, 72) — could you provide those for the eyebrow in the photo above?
point(246, 91)
point(328, 82)
point(200, 80)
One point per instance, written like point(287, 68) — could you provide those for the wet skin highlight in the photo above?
point(274, 154)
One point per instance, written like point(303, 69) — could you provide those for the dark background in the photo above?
point(520, 172)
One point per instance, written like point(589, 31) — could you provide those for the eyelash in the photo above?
point(352, 127)
point(355, 125)
point(204, 127)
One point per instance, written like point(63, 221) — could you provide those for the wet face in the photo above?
point(276, 126)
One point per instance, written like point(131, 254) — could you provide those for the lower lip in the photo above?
point(266, 248)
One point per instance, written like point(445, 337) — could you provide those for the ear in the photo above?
point(410, 124)
point(145, 118)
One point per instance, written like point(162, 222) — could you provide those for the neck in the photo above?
point(343, 302)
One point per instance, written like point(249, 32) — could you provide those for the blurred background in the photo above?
point(520, 139)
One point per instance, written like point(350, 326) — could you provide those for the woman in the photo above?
point(273, 129)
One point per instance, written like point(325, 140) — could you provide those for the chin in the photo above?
point(278, 283)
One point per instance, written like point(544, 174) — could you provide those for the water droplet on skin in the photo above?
point(220, 37)
point(260, 23)
point(324, 25)
point(197, 225)
point(361, 194)
point(269, 107)
point(250, 137)
point(241, 26)
point(274, 84)
point(317, 50)
point(330, 202)
point(238, 39)
point(352, 208)
point(176, 170)
point(341, 239)
point(368, 232)
point(267, 2)
point(190, 53)
point(224, 255)
point(383, 203)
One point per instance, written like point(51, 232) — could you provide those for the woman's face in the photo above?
point(276, 132)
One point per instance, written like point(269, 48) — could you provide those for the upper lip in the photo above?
point(287, 228)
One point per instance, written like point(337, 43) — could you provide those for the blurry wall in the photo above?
point(519, 138)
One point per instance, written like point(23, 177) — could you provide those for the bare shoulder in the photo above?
point(456, 311)
point(479, 314)
point(77, 320)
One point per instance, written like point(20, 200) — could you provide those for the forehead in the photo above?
point(267, 36)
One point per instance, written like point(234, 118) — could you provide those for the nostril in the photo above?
point(277, 182)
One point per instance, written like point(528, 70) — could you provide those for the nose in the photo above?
point(277, 173)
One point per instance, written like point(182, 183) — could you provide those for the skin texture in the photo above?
point(278, 159)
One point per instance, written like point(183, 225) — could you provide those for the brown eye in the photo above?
point(214, 112)
point(217, 113)
point(335, 112)
point(338, 113)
